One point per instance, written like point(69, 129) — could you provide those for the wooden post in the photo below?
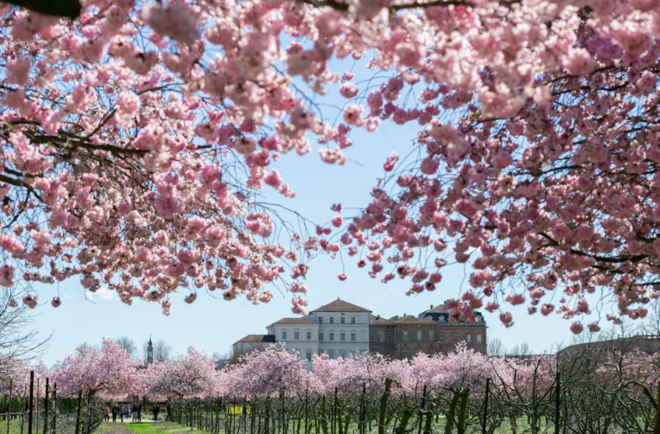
point(11, 387)
point(558, 390)
point(89, 414)
point(78, 414)
point(54, 409)
point(245, 414)
point(282, 409)
point(30, 402)
point(36, 406)
point(306, 411)
point(483, 423)
point(421, 411)
point(46, 408)
point(363, 410)
point(334, 414)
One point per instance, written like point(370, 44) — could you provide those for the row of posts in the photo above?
point(31, 406)
point(54, 424)
point(484, 429)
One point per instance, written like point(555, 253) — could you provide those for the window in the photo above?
point(342, 320)
point(320, 320)
point(332, 336)
point(283, 335)
point(388, 337)
point(468, 338)
point(332, 320)
point(343, 336)
point(441, 338)
point(342, 353)
point(454, 338)
point(331, 353)
point(309, 335)
point(419, 335)
point(478, 338)
point(405, 336)
point(309, 355)
point(320, 336)
point(353, 337)
point(296, 335)
point(431, 335)
point(352, 320)
point(374, 336)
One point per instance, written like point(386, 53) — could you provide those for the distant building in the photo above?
point(623, 344)
point(250, 343)
point(340, 328)
point(150, 352)
point(296, 334)
point(343, 328)
point(430, 332)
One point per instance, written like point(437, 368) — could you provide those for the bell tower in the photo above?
point(150, 352)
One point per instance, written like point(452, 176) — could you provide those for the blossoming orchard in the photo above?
point(272, 391)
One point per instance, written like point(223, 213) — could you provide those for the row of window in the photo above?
point(331, 354)
point(441, 337)
point(342, 320)
point(296, 336)
point(331, 336)
point(342, 337)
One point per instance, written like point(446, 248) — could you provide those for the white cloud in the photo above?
point(102, 293)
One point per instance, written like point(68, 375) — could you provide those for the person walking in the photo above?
point(121, 414)
point(106, 416)
point(139, 412)
point(156, 411)
point(115, 410)
point(134, 412)
point(169, 411)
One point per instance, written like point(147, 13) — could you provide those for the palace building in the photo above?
point(340, 328)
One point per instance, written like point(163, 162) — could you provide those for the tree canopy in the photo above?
point(136, 138)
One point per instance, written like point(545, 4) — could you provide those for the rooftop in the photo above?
point(294, 321)
point(258, 338)
point(341, 306)
point(412, 320)
point(377, 320)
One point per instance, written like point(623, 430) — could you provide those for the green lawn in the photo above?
point(15, 427)
point(145, 428)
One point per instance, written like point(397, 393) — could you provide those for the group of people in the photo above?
point(134, 411)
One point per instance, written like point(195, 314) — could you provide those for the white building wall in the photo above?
point(331, 328)
point(306, 342)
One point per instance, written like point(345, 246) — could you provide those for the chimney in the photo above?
point(431, 307)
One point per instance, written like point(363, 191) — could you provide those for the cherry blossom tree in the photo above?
point(463, 367)
point(350, 374)
point(105, 372)
point(185, 376)
point(269, 373)
point(137, 137)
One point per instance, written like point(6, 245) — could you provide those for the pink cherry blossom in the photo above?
point(576, 328)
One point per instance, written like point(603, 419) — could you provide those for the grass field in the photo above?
point(145, 428)
point(15, 427)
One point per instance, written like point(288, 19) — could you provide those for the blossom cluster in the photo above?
point(136, 138)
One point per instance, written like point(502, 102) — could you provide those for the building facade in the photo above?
point(343, 328)
point(339, 329)
point(430, 332)
point(296, 334)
